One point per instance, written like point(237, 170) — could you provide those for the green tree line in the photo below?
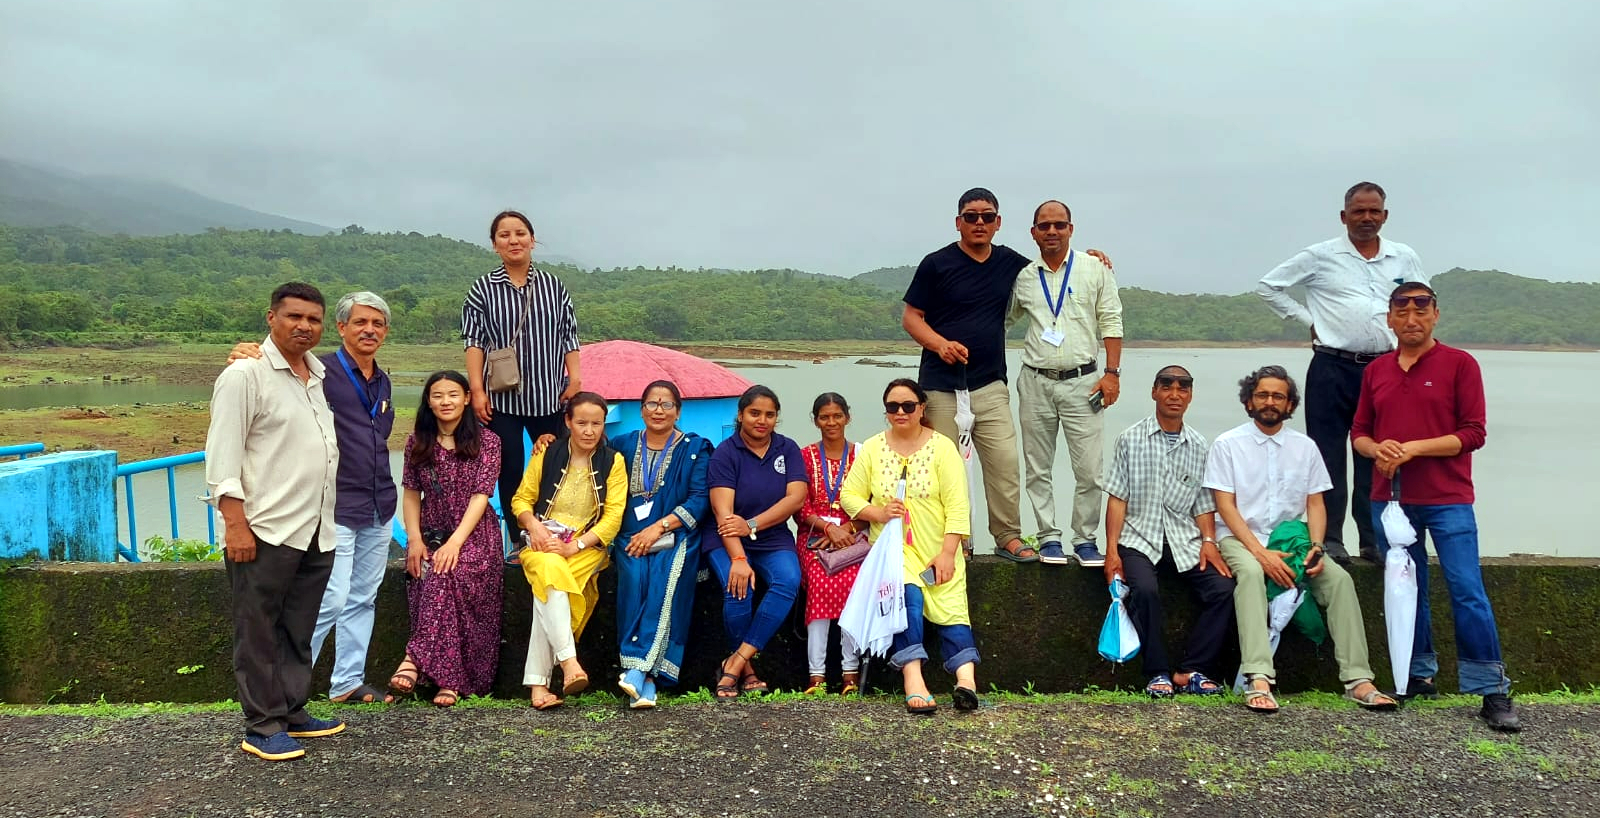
point(63, 285)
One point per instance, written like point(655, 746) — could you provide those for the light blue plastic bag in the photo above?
point(1119, 642)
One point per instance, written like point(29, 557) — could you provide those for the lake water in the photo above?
point(1532, 478)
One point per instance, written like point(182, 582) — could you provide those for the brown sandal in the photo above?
point(852, 684)
point(727, 692)
point(748, 683)
point(445, 698)
point(817, 686)
point(404, 680)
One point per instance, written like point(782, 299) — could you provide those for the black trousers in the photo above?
point(514, 456)
point(1212, 590)
point(275, 602)
point(1333, 386)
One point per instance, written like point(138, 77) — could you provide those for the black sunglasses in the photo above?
point(1061, 226)
point(1421, 302)
point(900, 407)
point(987, 217)
point(1181, 381)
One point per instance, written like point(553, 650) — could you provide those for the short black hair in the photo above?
point(300, 290)
point(977, 194)
point(1051, 201)
point(1248, 384)
point(1365, 187)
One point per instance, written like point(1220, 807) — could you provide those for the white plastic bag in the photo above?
point(1119, 641)
point(875, 610)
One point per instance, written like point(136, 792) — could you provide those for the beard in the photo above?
point(1269, 417)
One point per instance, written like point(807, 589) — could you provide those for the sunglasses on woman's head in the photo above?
point(1421, 302)
point(900, 407)
point(987, 217)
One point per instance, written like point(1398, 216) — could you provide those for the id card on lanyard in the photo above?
point(361, 388)
point(1053, 336)
point(651, 479)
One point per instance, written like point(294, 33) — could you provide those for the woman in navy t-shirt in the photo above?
point(758, 481)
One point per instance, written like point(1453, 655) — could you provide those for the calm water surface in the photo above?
point(1533, 477)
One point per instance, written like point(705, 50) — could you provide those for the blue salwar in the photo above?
point(655, 592)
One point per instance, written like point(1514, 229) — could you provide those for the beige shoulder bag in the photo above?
point(504, 373)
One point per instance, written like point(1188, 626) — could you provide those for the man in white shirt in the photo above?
point(1071, 305)
point(271, 461)
point(1263, 475)
point(1347, 282)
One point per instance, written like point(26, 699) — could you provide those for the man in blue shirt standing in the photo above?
point(1347, 282)
point(360, 395)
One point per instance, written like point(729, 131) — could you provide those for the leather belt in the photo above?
point(1362, 358)
point(1064, 374)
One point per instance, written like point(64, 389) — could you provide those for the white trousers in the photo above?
point(550, 638)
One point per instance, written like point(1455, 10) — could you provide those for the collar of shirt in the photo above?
point(499, 275)
point(1262, 438)
point(1153, 429)
point(1349, 247)
point(275, 356)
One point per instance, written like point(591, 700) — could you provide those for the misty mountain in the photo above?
point(889, 279)
point(31, 196)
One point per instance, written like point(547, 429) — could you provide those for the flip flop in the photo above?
point(1024, 553)
point(549, 702)
point(365, 694)
point(966, 698)
point(574, 685)
point(928, 708)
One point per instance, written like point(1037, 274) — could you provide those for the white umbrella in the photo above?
point(875, 610)
point(1399, 591)
point(1279, 612)
point(964, 420)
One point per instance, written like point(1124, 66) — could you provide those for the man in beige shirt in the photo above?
point(271, 459)
point(1070, 303)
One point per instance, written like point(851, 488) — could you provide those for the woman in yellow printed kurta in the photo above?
point(582, 485)
point(939, 513)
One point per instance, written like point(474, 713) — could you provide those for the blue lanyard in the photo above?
point(652, 473)
point(1061, 297)
point(832, 482)
point(361, 388)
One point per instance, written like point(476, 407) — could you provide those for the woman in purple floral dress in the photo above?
point(454, 550)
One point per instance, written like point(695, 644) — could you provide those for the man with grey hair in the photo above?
point(360, 395)
point(1347, 282)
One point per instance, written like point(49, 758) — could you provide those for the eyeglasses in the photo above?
point(1421, 302)
point(900, 407)
point(1044, 227)
point(1169, 380)
point(663, 405)
point(1275, 397)
point(987, 217)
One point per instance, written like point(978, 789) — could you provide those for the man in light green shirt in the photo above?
point(1071, 306)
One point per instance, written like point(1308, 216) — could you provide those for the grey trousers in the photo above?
point(1332, 589)
point(1048, 407)
point(994, 437)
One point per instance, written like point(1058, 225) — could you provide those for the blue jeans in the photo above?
point(359, 557)
point(955, 641)
point(1454, 530)
point(742, 619)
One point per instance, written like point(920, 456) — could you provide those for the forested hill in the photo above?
point(64, 285)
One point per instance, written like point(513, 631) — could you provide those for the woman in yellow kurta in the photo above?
point(939, 518)
point(570, 504)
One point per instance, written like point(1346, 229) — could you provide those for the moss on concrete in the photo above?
point(74, 632)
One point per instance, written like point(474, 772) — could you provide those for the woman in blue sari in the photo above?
point(658, 551)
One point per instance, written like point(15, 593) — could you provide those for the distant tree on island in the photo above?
point(66, 285)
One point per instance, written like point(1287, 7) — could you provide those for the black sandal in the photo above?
point(726, 692)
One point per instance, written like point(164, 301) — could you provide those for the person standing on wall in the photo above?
point(271, 464)
point(1347, 282)
point(360, 395)
point(1071, 305)
point(521, 337)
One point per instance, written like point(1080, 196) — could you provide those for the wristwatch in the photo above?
point(752, 523)
point(1205, 540)
point(1114, 370)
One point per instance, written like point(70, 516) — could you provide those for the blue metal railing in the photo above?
point(21, 450)
point(126, 471)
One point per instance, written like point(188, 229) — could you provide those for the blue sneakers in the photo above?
point(632, 683)
point(647, 696)
point(276, 747)
point(1088, 555)
point(1051, 553)
point(316, 728)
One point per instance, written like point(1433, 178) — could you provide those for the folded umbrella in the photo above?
point(1399, 589)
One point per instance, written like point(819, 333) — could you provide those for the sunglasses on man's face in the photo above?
point(900, 407)
point(1421, 302)
point(1169, 380)
point(987, 217)
point(1045, 227)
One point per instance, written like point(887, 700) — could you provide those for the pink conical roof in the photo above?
point(620, 370)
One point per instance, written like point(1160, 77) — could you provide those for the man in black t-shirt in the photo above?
point(956, 309)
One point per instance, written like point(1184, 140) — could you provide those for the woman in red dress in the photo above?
point(824, 526)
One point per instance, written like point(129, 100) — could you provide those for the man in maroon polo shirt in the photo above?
point(1420, 416)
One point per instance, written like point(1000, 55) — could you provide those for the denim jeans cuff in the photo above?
point(907, 655)
point(1483, 678)
point(962, 657)
point(1424, 665)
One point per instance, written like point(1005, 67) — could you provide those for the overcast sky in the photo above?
point(1198, 143)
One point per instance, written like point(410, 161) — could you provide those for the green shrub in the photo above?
point(161, 549)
